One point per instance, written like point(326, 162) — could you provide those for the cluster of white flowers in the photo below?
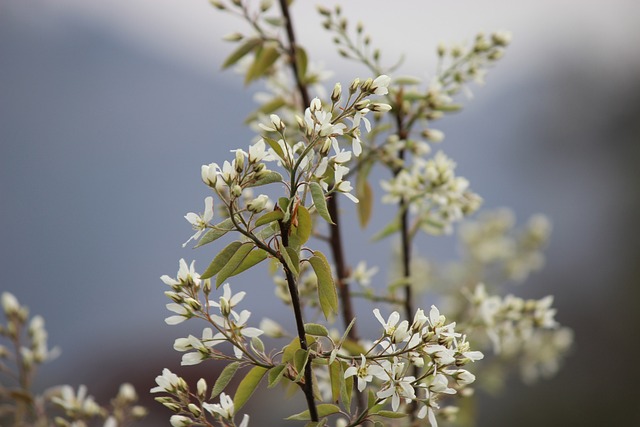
point(437, 196)
point(517, 327)
point(418, 361)
point(21, 364)
point(492, 240)
point(191, 408)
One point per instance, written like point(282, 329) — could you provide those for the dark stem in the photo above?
point(307, 387)
point(335, 236)
point(405, 243)
point(302, 88)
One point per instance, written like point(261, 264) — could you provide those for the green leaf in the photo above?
point(324, 409)
point(364, 193)
point(316, 330)
point(269, 178)
point(257, 345)
point(317, 194)
point(300, 359)
point(255, 257)
point(275, 146)
point(286, 256)
point(241, 51)
point(347, 391)
point(264, 59)
point(216, 232)
point(301, 63)
point(327, 293)
point(303, 230)
point(225, 377)
point(275, 375)
point(336, 376)
point(268, 108)
point(233, 263)
point(267, 232)
point(221, 260)
point(391, 414)
point(269, 217)
point(247, 386)
point(390, 228)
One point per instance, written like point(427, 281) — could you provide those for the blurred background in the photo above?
point(108, 109)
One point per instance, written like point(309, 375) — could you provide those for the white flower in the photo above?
point(182, 314)
point(167, 382)
point(225, 408)
point(227, 301)
point(200, 222)
point(362, 275)
point(398, 385)
point(79, 402)
point(396, 333)
point(380, 84)
point(365, 372)
point(271, 328)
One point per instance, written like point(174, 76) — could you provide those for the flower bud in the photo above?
point(239, 162)
point(361, 105)
point(193, 303)
point(236, 190)
point(206, 287)
point(355, 84)
point(441, 50)
point(501, 38)
point(277, 123)
point(326, 146)
point(366, 86)
point(233, 37)
point(202, 388)
point(258, 204)
point(336, 94)
point(225, 307)
point(180, 421)
point(139, 412)
point(10, 304)
point(380, 107)
point(194, 410)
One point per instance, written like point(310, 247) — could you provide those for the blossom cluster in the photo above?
point(192, 407)
point(437, 196)
point(419, 361)
point(521, 327)
point(78, 409)
point(491, 240)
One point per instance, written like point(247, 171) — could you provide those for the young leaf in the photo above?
point(241, 51)
point(264, 59)
point(327, 293)
point(391, 414)
point(247, 386)
point(300, 359)
point(364, 193)
point(336, 375)
point(324, 409)
point(225, 377)
point(221, 260)
point(303, 230)
point(255, 257)
point(215, 233)
point(317, 194)
point(275, 146)
point(233, 263)
point(347, 391)
point(269, 178)
point(301, 63)
point(275, 375)
point(269, 217)
point(389, 229)
point(292, 266)
point(316, 329)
